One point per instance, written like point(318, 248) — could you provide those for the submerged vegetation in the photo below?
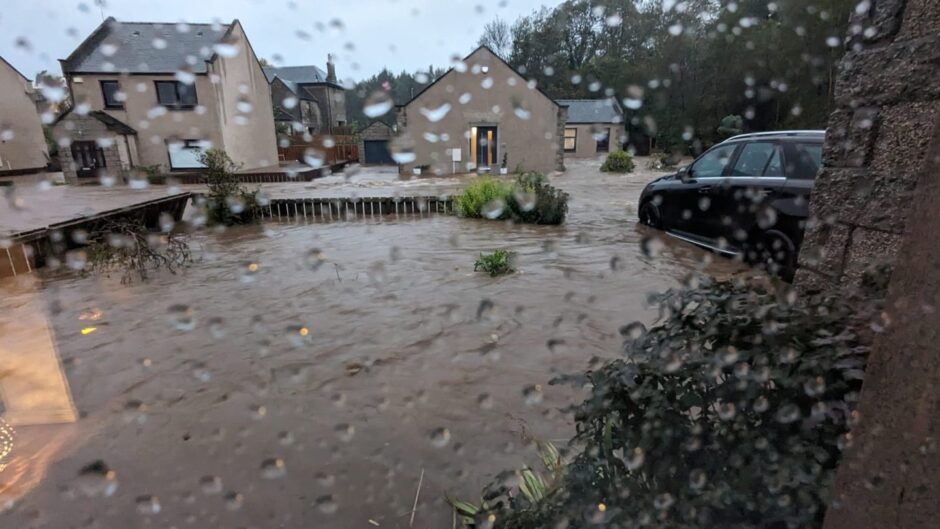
point(530, 199)
point(129, 248)
point(618, 162)
point(229, 202)
point(497, 263)
point(732, 411)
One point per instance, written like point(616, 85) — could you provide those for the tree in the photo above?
point(264, 62)
point(498, 37)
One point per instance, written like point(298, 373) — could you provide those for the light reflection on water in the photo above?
point(402, 340)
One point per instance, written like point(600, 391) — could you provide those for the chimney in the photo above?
point(330, 69)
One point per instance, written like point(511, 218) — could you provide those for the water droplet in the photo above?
point(726, 411)
point(697, 479)
point(324, 479)
point(377, 104)
point(159, 43)
point(249, 271)
point(636, 459)
point(273, 468)
point(485, 401)
point(210, 485)
point(217, 328)
point(314, 258)
point(313, 157)
point(676, 29)
point(493, 209)
point(226, 49)
point(788, 413)
point(663, 501)
point(345, 432)
point(435, 114)
point(181, 317)
point(532, 394)
point(440, 437)
point(148, 505)
point(97, 480)
point(327, 504)
point(525, 199)
point(633, 331)
point(766, 217)
point(761, 404)
point(234, 501)
point(651, 246)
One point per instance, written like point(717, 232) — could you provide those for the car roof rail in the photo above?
point(778, 133)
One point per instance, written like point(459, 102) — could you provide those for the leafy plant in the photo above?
point(732, 411)
point(481, 193)
point(618, 162)
point(534, 201)
point(497, 263)
point(229, 202)
point(154, 173)
point(731, 125)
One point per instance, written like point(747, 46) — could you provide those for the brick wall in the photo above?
point(887, 99)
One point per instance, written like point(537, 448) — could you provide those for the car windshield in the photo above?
point(434, 264)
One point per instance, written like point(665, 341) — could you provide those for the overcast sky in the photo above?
point(400, 34)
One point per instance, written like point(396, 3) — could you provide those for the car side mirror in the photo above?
point(685, 173)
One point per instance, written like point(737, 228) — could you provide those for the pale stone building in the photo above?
point(22, 143)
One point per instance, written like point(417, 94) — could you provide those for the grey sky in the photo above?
point(400, 34)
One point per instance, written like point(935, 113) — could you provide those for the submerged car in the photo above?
point(747, 196)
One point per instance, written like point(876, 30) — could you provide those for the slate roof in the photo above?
point(592, 111)
point(296, 74)
point(145, 47)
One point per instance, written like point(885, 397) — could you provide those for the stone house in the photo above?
point(374, 144)
point(22, 143)
point(307, 99)
point(477, 114)
point(153, 94)
point(594, 126)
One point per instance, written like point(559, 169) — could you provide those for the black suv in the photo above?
point(747, 196)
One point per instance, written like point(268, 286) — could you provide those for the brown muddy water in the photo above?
point(266, 387)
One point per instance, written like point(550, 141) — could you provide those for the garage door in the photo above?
point(376, 152)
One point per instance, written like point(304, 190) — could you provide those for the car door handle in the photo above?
point(705, 190)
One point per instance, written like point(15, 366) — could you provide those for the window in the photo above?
point(174, 94)
point(571, 139)
point(111, 91)
point(753, 159)
point(811, 153)
point(713, 162)
point(775, 165)
point(184, 154)
point(603, 143)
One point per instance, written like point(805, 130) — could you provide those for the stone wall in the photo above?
point(887, 99)
point(375, 131)
point(75, 127)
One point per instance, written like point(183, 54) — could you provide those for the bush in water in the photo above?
point(618, 162)
point(732, 411)
point(495, 264)
point(530, 199)
point(229, 202)
point(484, 197)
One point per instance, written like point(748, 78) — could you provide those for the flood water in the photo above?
point(317, 389)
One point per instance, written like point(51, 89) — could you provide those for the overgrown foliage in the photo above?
point(530, 199)
point(229, 202)
point(732, 411)
point(154, 173)
point(495, 264)
point(618, 162)
point(129, 248)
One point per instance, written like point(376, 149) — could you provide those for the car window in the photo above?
point(811, 154)
point(775, 165)
point(753, 159)
point(713, 162)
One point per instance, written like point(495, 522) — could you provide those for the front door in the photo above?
point(88, 158)
point(486, 155)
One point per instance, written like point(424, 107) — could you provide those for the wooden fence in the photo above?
point(344, 148)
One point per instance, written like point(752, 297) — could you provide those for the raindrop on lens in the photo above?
point(148, 505)
point(525, 199)
point(493, 209)
point(234, 501)
point(314, 258)
point(97, 480)
point(327, 504)
point(532, 394)
point(345, 432)
point(697, 479)
point(273, 468)
point(485, 401)
point(440, 437)
point(210, 485)
point(181, 317)
point(636, 460)
point(377, 104)
point(651, 246)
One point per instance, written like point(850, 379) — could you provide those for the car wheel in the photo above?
point(649, 215)
point(776, 253)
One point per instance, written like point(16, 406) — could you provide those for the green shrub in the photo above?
point(229, 202)
point(731, 412)
point(155, 174)
point(485, 191)
point(534, 201)
point(495, 264)
point(731, 125)
point(618, 162)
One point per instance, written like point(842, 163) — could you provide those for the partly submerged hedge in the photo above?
point(732, 412)
point(618, 162)
point(529, 199)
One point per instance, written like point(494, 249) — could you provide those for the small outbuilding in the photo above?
point(594, 126)
point(374, 144)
